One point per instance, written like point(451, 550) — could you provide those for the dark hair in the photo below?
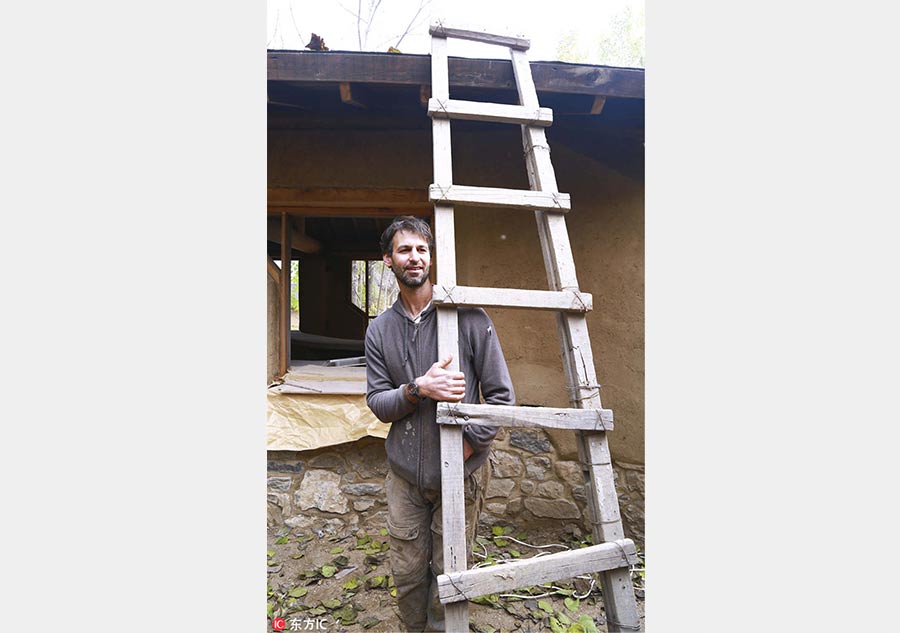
point(408, 223)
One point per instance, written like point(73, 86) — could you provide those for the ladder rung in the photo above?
point(543, 417)
point(472, 583)
point(557, 300)
point(497, 112)
point(518, 43)
point(493, 197)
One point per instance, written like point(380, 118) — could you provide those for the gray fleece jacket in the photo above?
point(399, 350)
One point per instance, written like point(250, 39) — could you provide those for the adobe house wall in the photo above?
point(500, 248)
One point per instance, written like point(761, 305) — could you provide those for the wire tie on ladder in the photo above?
point(443, 107)
point(575, 291)
point(443, 193)
point(530, 149)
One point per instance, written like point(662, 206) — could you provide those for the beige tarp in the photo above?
point(303, 421)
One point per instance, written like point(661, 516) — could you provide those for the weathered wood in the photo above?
point(322, 387)
point(299, 240)
point(453, 507)
point(350, 212)
point(349, 197)
point(274, 271)
point(496, 112)
point(519, 43)
point(496, 197)
point(284, 356)
point(393, 69)
point(352, 96)
point(597, 105)
point(544, 417)
point(478, 582)
point(578, 363)
point(566, 301)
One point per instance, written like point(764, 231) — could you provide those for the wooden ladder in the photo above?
point(613, 553)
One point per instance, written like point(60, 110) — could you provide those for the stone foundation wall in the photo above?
point(533, 483)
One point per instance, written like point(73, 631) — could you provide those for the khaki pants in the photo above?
point(417, 544)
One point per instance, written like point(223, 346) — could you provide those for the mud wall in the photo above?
point(500, 248)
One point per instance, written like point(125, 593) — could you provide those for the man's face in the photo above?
point(410, 259)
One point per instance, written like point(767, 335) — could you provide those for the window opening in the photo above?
point(373, 287)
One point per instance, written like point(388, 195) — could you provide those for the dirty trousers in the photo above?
point(417, 544)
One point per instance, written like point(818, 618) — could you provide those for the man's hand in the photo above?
point(442, 385)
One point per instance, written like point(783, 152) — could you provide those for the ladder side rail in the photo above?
point(453, 510)
point(618, 593)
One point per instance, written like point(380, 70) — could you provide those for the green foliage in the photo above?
point(619, 43)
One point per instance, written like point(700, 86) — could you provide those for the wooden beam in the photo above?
point(339, 197)
point(347, 95)
point(424, 95)
point(300, 241)
point(496, 112)
point(349, 212)
point(523, 199)
point(519, 43)
point(541, 417)
point(597, 106)
point(403, 69)
point(473, 583)
point(285, 347)
point(274, 271)
point(557, 300)
point(322, 387)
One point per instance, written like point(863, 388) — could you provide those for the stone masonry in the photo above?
point(533, 482)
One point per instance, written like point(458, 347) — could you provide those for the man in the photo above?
point(405, 382)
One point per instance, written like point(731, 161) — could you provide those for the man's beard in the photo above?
point(406, 280)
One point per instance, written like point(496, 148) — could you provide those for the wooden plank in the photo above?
point(456, 413)
point(578, 363)
point(496, 112)
point(322, 387)
point(284, 357)
point(350, 212)
point(482, 581)
point(437, 29)
point(299, 240)
point(566, 301)
point(497, 197)
point(393, 69)
point(597, 106)
point(347, 197)
point(453, 507)
point(274, 271)
point(347, 96)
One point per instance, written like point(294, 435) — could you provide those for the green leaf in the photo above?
point(543, 605)
point(317, 611)
point(394, 593)
point(377, 581)
point(369, 622)
point(383, 531)
point(353, 583)
point(587, 624)
point(270, 610)
point(346, 615)
point(514, 553)
point(555, 626)
point(270, 553)
point(361, 542)
point(300, 555)
point(563, 618)
point(328, 570)
point(341, 561)
point(331, 604)
point(572, 604)
point(522, 536)
point(298, 592)
point(576, 628)
point(336, 550)
point(500, 542)
point(282, 540)
point(497, 530)
point(385, 546)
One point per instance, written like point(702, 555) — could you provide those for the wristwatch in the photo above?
point(413, 389)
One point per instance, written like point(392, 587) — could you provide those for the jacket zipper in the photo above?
point(421, 424)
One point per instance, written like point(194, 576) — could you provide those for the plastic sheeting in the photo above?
point(299, 422)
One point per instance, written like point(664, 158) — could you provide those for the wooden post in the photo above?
point(285, 347)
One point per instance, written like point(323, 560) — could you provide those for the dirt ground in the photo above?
point(342, 583)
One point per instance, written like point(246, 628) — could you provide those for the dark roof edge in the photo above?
point(414, 69)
